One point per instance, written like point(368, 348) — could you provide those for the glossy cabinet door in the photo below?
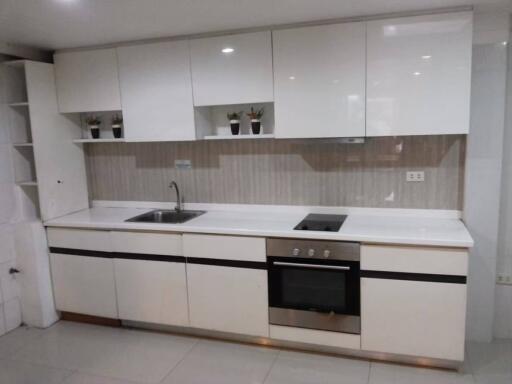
point(83, 284)
point(60, 164)
point(319, 81)
point(232, 69)
point(415, 318)
point(419, 75)
point(228, 299)
point(87, 81)
point(156, 90)
point(222, 297)
point(152, 291)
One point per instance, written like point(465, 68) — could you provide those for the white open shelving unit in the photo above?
point(25, 176)
point(106, 134)
point(212, 122)
point(245, 136)
point(81, 141)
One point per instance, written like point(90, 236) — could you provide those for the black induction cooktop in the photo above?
point(321, 222)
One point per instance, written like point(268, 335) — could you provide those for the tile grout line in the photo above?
point(180, 360)
point(71, 373)
point(370, 363)
point(271, 366)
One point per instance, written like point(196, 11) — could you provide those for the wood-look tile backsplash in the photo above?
point(289, 172)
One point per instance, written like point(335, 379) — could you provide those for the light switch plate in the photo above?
point(183, 164)
point(415, 176)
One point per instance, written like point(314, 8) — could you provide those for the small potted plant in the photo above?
point(117, 124)
point(255, 117)
point(93, 122)
point(234, 121)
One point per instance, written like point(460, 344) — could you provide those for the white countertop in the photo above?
point(368, 228)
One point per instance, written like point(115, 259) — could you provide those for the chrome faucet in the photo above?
point(178, 198)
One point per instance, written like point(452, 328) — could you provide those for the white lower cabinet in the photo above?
point(152, 291)
point(83, 284)
point(414, 318)
point(228, 299)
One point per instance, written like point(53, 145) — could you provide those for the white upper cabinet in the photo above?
point(233, 69)
point(156, 90)
point(87, 81)
point(319, 81)
point(419, 75)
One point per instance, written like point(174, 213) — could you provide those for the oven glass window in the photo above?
point(313, 289)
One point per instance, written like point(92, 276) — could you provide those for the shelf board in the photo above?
point(29, 183)
point(22, 145)
point(15, 63)
point(240, 137)
point(80, 141)
point(20, 104)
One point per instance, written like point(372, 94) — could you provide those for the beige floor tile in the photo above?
point(304, 368)
point(216, 362)
point(110, 352)
point(18, 372)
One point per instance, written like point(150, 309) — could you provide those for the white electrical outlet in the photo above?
point(415, 176)
point(504, 279)
point(183, 164)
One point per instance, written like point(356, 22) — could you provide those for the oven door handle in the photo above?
point(318, 266)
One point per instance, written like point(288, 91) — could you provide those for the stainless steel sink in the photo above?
point(166, 216)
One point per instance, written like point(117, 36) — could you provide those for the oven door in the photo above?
point(312, 293)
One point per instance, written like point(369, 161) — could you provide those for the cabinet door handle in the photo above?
point(313, 266)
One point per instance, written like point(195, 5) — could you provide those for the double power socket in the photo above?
point(415, 176)
point(503, 279)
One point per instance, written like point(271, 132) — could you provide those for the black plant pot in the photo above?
point(117, 132)
point(256, 127)
point(235, 128)
point(95, 133)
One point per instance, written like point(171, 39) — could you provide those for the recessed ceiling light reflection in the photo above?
point(416, 73)
point(426, 57)
point(292, 77)
point(228, 50)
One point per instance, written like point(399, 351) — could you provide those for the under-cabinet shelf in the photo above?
point(15, 63)
point(81, 141)
point(20, 104)
point(28, 183)
point(240, 137)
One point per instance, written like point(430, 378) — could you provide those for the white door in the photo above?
point(152, 291)
point(232, 69)
point(87, 81)
point(228, 299)
point(83, 284)
point(419, 75)
point(156, 90)
point(413, 318)
point(319, 81)
point(60, 164)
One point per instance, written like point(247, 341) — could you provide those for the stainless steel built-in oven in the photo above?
point(314, 284)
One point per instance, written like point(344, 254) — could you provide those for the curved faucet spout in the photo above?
point(178, 198)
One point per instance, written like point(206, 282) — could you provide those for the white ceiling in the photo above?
point(55, 24)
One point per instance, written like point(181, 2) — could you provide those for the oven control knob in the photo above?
point(311, 252)
point(295, 251)
point(327, 253)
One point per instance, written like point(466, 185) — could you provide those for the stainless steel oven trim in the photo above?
point(339, 250)
point(312, 266)
point(315, 320)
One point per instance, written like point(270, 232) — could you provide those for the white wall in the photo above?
point(483, 167)
point(10, 311)
point(503, 302)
